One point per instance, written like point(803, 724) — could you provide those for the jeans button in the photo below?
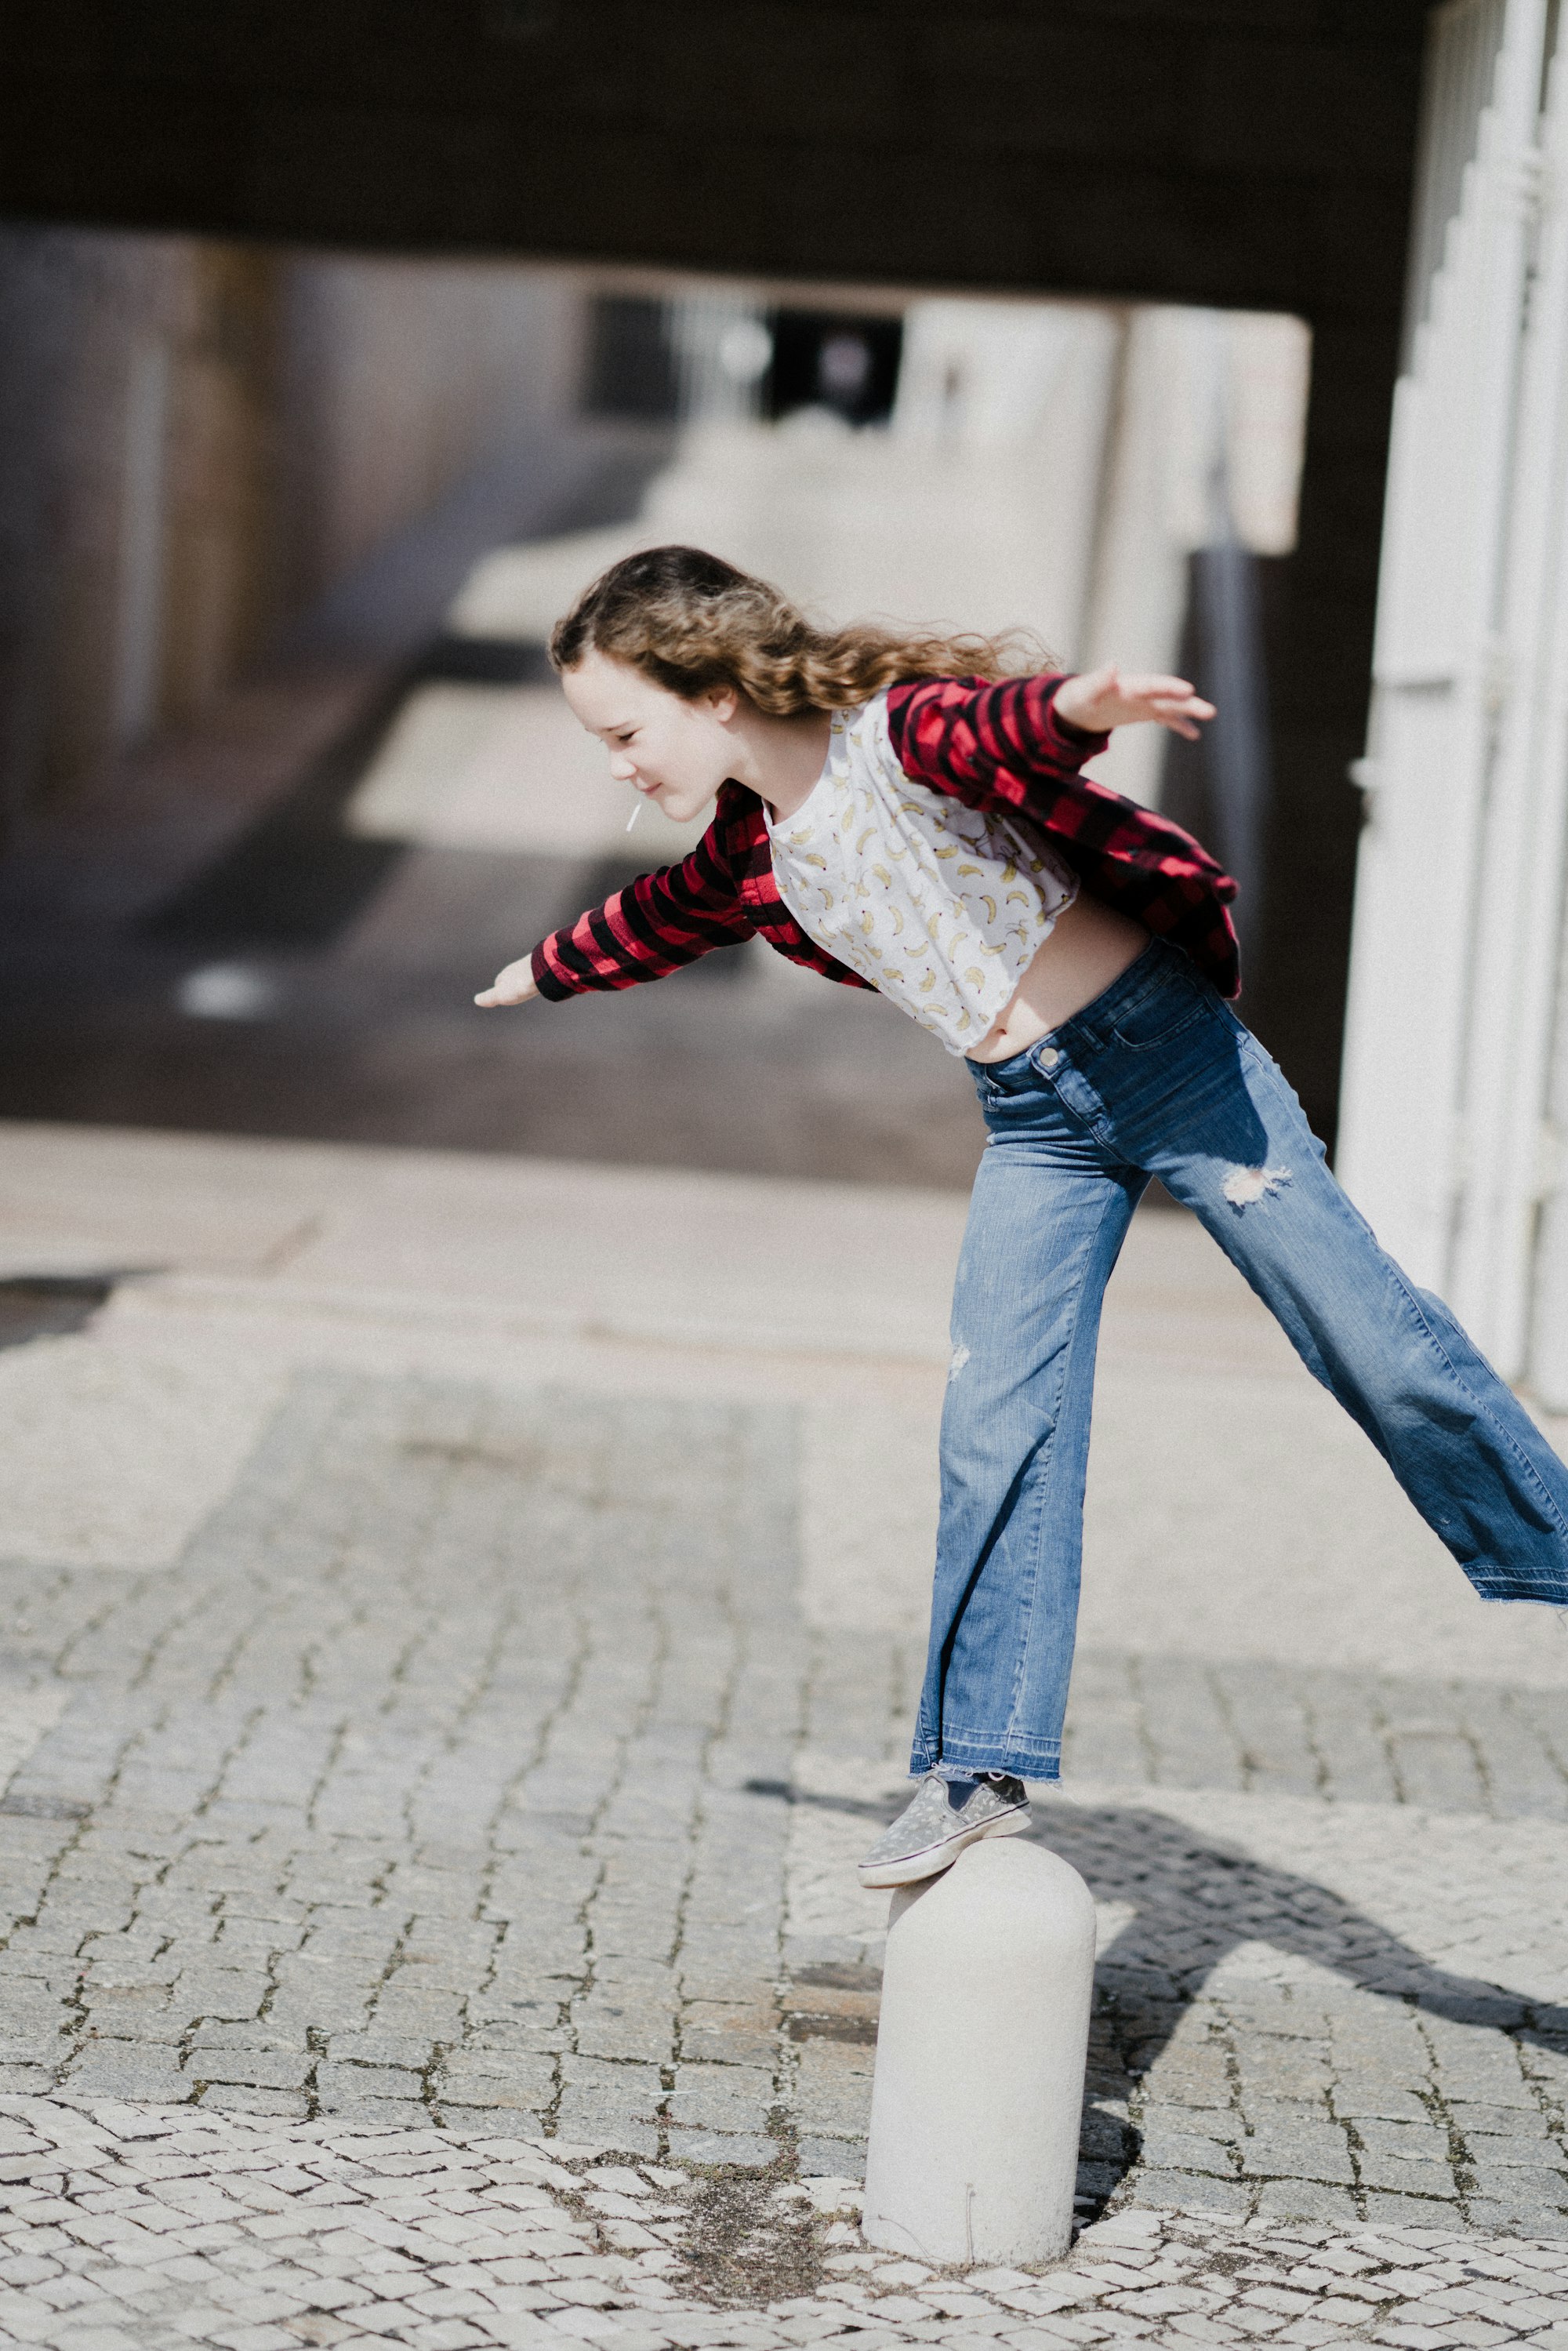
point(1048, 1056)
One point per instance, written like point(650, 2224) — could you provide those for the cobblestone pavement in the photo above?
point(476, 1763)
point(428, 1735)
point(128, 2226)
point(1272, 1728)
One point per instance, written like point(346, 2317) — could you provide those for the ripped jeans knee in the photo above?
point(1243, 1186)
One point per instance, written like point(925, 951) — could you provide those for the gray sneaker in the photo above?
point(930, 1833)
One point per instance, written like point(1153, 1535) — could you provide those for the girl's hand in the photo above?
point(1103, 698)
point(513, 986)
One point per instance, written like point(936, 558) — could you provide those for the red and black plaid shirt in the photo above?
point(996, 747)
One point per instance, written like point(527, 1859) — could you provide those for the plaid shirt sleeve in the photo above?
point(1004, 746)
point(652, 926)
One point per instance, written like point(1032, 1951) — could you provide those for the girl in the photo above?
point(898, 812)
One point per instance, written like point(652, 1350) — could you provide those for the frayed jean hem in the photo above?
point(1029, 1758)
point(1499, 1583)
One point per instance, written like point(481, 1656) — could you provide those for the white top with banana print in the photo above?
point(938, 905)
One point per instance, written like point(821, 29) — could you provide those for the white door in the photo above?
point(1407, 1145)
point(1508, 1167)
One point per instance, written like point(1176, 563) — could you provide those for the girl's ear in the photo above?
point(724, 702)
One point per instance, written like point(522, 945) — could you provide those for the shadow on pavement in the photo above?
point(1196, 1901)
point(50, 1305)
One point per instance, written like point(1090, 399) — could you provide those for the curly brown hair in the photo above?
point(690, 621)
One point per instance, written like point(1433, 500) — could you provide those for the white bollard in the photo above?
point(981, 2056)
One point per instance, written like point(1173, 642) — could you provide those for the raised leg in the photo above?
point(1462, 1446)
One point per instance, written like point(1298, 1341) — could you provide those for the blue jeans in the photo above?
point(1157, 1076)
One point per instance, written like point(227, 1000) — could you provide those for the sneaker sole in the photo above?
point(938, 1857)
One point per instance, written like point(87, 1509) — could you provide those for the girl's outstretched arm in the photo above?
point(655, 924)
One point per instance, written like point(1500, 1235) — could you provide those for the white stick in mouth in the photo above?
point(634, 815)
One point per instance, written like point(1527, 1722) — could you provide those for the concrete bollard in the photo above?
point(981, 2056)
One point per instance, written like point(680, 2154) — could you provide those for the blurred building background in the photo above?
point(202, 441)
point(329, 376)
point(286, 773)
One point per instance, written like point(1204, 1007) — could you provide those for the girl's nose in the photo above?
point(623, 769)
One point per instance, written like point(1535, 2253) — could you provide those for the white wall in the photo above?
point(1454, 1081)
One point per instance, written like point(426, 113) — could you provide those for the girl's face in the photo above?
point(674, 751)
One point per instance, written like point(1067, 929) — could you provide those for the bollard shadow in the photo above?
point(1195, 1900)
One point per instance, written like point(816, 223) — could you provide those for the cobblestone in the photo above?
point(1364, 1738)
point(477, 1767)
point(463, 1759)
point(136, 2225)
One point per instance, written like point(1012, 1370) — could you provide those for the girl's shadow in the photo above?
point(1195, 1901)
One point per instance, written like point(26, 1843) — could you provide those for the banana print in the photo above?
point(936, 903)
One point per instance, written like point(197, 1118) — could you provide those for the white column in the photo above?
point(1519, 918)
point(1402, 1150)
point(980, 2056)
